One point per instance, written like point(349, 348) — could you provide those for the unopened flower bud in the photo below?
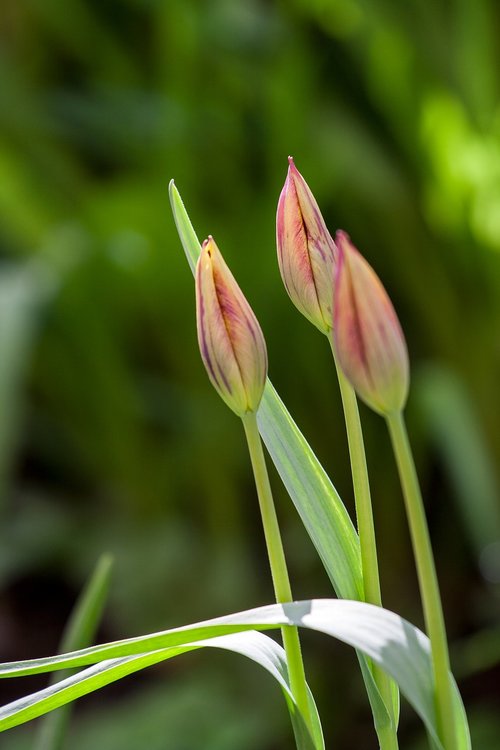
point(231, 341)
point(306, 251)
point(368, 339)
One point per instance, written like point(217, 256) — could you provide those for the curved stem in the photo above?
point(279, 571)
point(426, 570)
point(366, 530)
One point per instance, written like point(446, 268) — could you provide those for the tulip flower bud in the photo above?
point(231, 341)
point(306, 251)
point(368, 339)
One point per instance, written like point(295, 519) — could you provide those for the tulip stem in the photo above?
point(429, 587)
point(387, 734)
point(279, 571)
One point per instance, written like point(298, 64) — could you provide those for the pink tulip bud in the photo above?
point(368, 339)
point(231, 341)
point(306, 251)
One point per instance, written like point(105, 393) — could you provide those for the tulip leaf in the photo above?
point(316, 499)
point(398, 647)
point(254, 645)
point(79, 632)
point(185, 229)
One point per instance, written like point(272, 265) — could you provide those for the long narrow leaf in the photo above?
point(398, 647)
point(256, 646)
point(79, 632)
point(316, 499)
point(87, 613)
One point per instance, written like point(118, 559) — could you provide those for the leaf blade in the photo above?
point(394, 644)
point(314, 496)
point(255, 646)
point(79, 631)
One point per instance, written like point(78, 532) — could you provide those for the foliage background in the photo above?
point(111, 437)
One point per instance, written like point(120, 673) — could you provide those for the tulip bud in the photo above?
point(368, 339)
point(306, 251)
point(231, 341)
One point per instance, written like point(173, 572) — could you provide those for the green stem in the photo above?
point(279, 571)
point(429, 587)
point(369, 562)
point(362, 495)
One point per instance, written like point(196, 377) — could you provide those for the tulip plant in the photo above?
point(335, 288)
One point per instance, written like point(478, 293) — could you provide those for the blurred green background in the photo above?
point(111, 437)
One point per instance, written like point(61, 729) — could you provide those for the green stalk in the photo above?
point(279, 571)
point(369, 562)
point(426, 570)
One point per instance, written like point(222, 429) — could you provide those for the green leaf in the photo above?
point(256, 646)
point(398, 647)
point(187, 235)
point(316, 499)
point(313, 494)
point(86, 615)
point(79, 632)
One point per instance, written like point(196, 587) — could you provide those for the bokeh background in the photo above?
point(111, 437)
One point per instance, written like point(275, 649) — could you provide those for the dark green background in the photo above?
point(111, 437)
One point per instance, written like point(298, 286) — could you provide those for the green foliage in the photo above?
point(80, 631)
point(393, 643)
